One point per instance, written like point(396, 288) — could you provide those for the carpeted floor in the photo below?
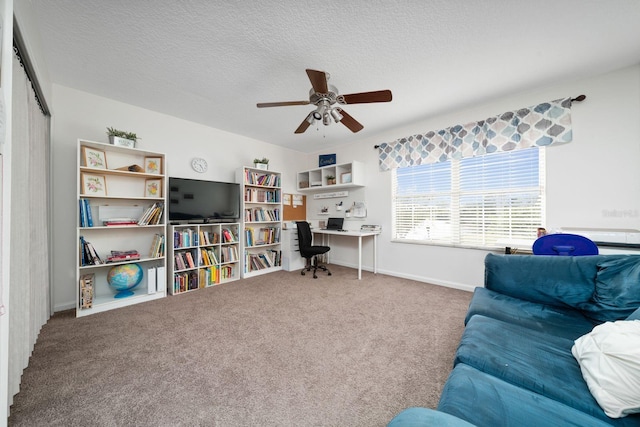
point(274, 350)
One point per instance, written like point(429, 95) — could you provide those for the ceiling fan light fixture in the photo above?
point(311, 118)
point(335, 113)
point(326, 119)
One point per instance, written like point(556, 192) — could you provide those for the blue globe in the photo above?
point(123, 278)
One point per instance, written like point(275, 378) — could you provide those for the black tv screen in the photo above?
point(198, 201)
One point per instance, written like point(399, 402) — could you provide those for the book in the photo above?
point(86, 290)
point(88, 213)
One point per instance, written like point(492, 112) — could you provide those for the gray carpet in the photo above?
point(275, 350)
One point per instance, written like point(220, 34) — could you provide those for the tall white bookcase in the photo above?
point(203, 255)
point(117, 186)
point(261, 221)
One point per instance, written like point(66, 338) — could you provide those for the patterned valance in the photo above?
point(540, 125)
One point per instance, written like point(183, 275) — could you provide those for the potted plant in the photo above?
point(122, 138)
point(331, 180)
point(262, 163)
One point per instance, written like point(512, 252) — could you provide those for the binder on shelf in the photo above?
point(161, 278)
point(151, 280)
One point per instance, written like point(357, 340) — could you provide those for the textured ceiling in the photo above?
point(210, 62)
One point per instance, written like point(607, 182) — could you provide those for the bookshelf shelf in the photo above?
point(261, 221)
point(202, 256)
point(121, 194)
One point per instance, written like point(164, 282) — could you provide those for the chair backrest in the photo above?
point(305, 237)
point(564, 244)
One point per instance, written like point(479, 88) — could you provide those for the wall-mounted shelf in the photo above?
point(347, 175)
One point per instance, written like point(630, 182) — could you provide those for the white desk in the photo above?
point(359, 235)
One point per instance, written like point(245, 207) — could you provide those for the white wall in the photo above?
point(86, 116)
point(593, 181)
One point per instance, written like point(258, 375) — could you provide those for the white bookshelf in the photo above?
point(126, 194)
point(261, 221)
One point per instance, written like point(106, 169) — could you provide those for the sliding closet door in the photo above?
point(29, 255)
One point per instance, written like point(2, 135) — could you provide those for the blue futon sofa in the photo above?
point(514, 365)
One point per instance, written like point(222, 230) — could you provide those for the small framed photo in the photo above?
point(345, 178)
point(153, 188)
point(93, 185)
point(153, 165)
point(94, 158)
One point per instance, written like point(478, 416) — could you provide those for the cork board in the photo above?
point(296, 208)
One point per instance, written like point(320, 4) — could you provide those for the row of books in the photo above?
point(86, 219)
point(260, 261)
point(263, 236)
point(157, 246)
point(264, 179)
point(153, 214)
point(261, 214)
point(210, 276)
point(185, 238)
point(229, 253)
point(183, 260)
point(208, 257)
point(88, 254)
point(258, 195)
point(229, 235)
point(86, 290)
point(120, 256)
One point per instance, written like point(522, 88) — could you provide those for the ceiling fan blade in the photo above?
point(366, 97)
point(281, 104)
point(318, 80)
point(303, 126)
point(350, 122)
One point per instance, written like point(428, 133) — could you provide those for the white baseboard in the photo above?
point(429, 280)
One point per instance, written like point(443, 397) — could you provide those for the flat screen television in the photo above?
point(199, 201)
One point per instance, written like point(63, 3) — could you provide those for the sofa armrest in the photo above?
point(554, 280)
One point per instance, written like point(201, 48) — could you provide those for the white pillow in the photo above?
point(609, 358)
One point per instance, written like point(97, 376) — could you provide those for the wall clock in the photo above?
point(199, 165)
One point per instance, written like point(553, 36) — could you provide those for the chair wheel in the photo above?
point(302, 273)
point(315, 277)
point(329, 274)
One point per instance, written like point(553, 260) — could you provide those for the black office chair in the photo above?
point(309, 251)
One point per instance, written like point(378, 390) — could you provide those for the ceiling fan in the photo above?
point(324, 96)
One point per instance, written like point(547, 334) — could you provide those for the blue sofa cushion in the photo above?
point(617, 290)
point(635, 315)
point(559, 281)
point(423, 417)
point(558, 321)
point(487, 401)
point(538, 362)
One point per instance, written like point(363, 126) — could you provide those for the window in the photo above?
point(471, 202)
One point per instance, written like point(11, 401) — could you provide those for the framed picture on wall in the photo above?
point(153, 188)
point(94, 158)
point(93, 185)
point(153, 165)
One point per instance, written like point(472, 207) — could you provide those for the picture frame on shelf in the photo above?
point(153, 165)
point(153, 187)
point(93, 185)
point(94, 158)
point(345, 178)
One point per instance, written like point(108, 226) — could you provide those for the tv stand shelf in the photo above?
point(203, 255)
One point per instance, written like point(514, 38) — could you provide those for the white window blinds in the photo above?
point(472, 202)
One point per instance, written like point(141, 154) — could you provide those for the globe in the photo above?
point(123, 278)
